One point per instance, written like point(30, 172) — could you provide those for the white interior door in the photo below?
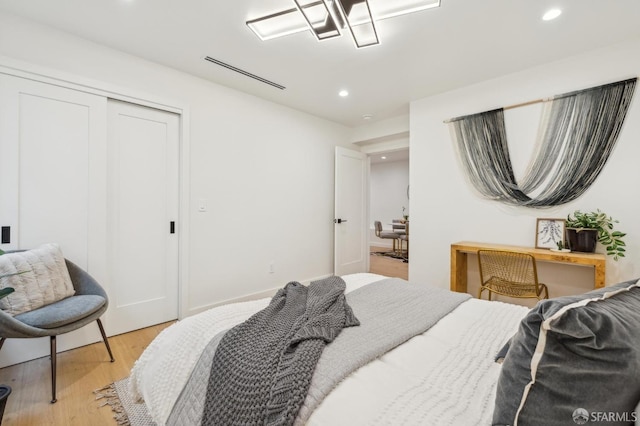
point(52, 184)
point(143, 183)
point(350, 224)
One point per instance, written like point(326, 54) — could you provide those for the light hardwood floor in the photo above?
point(83, 370)
point(388, 266)
point(80, 372)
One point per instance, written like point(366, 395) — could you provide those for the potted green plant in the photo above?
point(586, 229)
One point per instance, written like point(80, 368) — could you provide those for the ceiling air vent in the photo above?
point(243, 72)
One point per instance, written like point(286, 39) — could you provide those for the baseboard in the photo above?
point(380, 244)
point(249, 297)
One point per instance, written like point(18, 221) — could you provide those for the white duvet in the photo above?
point(445, 376)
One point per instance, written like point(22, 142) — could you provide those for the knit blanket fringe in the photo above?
point(109, 396)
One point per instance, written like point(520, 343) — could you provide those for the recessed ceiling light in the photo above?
point(383, 158)
point(551, 14)
point(367, 116)
point(343, 93)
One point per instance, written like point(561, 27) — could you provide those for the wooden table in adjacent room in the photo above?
point(460, 250)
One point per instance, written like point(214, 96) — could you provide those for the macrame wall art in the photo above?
point(577, 133)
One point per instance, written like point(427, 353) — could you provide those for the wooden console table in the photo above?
point(460, 250)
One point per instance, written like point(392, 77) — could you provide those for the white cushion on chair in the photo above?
point(45, 281)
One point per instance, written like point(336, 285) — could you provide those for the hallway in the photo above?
point(388, 266)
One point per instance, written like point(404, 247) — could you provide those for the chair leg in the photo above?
point(104, 337)
point(53, 369)
point(544, 287)
point(483, 289)
point(2, 339)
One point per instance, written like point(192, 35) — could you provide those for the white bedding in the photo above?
point(445, 376)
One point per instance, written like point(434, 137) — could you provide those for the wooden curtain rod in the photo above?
point(537, 101)
point(522, 104)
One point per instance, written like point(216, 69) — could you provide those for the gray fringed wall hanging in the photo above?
point(577, 133)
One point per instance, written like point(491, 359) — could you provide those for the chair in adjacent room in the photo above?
point(404, 237)
point(386, 234)
point(511, 274)
point(398, 226)
point(87, 305)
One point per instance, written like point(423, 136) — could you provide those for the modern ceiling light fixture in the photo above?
point(327, 18)
point(356, 14)
point(278, 24)
point(321, 21)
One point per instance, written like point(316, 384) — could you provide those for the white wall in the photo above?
point(266, 170)
point(444, 208)
point(388, 194)
point(380, 130)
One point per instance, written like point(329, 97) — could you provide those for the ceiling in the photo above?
point(390, 156)
point(421, 54)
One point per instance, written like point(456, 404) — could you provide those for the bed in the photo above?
point(446, 374)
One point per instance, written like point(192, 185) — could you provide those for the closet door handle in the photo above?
point(172, 227)
point(6, 235)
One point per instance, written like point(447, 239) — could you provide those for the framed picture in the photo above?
point(549, 232)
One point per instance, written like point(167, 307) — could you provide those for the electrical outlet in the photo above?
point(272, 267)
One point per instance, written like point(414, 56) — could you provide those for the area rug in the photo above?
point(126, 411)
point(393, 255)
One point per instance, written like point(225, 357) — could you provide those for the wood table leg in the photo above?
point(599, 274)
point(458, 271)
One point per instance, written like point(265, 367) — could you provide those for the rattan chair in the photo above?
point(511, 274)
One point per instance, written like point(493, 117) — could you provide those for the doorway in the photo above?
point(388, 202)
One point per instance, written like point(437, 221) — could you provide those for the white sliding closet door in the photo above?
point(143, 183)
point(52, 184)
point(52, 164)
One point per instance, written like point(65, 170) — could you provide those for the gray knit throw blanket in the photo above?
point(262, 368)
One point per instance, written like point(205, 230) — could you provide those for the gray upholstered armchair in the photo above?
point(87, 304)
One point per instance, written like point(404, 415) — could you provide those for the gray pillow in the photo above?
point(574, 356)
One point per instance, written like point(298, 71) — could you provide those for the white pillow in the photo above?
point(45, 281)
